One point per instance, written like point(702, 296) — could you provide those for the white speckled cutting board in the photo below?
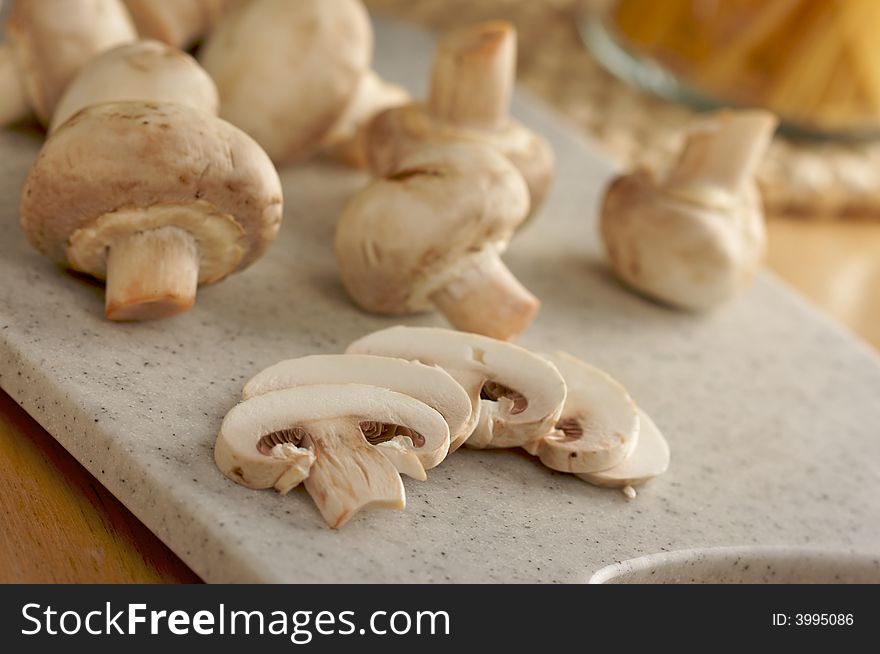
point(772, 411)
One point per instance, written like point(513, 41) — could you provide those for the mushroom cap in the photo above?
point(428, 384)
point(53, 39)
point(286, 71)
point(396, 132)
point(599, 425)
point(237, 450)
point(404, 237)
point(649, 459)
point(693, 249)
point(128, 166)
point(144, 70)
point(178, 22)
point(482, 364)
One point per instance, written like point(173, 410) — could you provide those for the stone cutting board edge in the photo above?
point(772, 411)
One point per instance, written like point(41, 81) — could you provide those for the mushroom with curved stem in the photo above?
point(696, 238)
point(649, 459)
point(260, 443)
point(287, 71)
point(517, 396)
point(154, 198)
point(48, 42)
point(599, 425)
point(471, 84)
point(179, 23)
point(144, 70)
point(429, 384)
point(431, 234)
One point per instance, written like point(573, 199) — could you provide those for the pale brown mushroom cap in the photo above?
point(53, 39)
point(286, 71)
point(120, 158)
point(178, 22)
point(404, 237)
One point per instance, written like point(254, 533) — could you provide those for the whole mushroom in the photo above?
point(429, 384)
point(517, 396)
point(145, 70)
point(471, 83)
point(316, 435)
point(48, 42)
point(695, 238)
point(154, 198)
point(431, 234)
point(287, 71)
point(179, 23)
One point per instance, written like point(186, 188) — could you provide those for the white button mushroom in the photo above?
point(649, 459)
point(517, 396)
point(154, 198)
point(48, 42)
point(179, 23)
point(471, 83)
point(347, 472)
point(696, 238)
point(599, 426)
point(287, 71)
point(428, 384)
point(431, 234)
point(146, 70)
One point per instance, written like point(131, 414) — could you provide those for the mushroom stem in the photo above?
point(485, 298)
point(151, 274)
point(724, 153)
point(13, 103)
point(349, 474)
point(473, 75)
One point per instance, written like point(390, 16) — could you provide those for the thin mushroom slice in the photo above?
point(429, 384)
point(650, 459)
point(599, 426)
point(517, 396)
point(260, 443)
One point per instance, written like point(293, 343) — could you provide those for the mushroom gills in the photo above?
point(349, 474)
point(649, 459)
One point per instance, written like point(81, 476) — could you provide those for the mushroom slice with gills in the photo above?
point(145, 70)
point(287, 71)
point(517, 396)
point(694, 238)
point(649, 459)
point(599, 425)
point(179, 23)
point(260, 441)
point(155, 198)
point(472, 80)
point(431, 235)
point(48, 42)
point(428, 384)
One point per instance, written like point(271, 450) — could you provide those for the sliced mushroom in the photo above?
point(348, 473)
point(428, 384)
point(431, 234)
point(599, 425)
point(154, 198)
point(696, 238)
point(517, 396)
point(145, 70)
point(48, 42)
point(649, 459)
point(179, 23)
point(471, 84)
point(346, 141)
point(287, 71)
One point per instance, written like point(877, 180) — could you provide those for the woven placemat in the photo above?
point(811, 179)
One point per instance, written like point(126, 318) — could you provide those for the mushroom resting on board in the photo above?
point(154, 198)
point(431, 234)
point(47, 43)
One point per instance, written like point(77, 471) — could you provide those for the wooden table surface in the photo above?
point(61, 525)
